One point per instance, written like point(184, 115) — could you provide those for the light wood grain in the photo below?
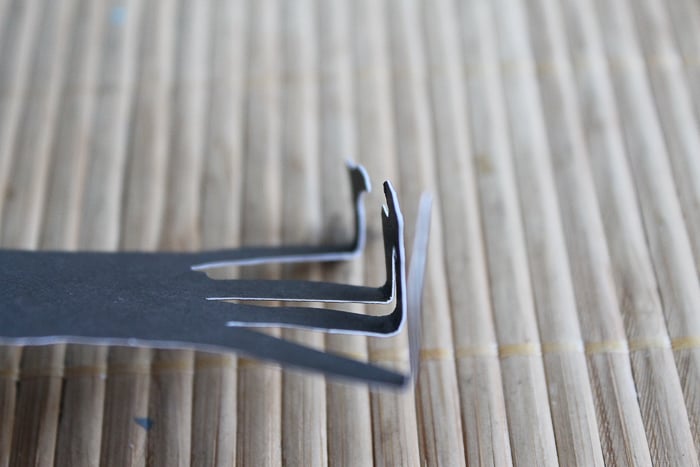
point(259, 385)
point(23, 211)
point(660, 395)
point(394, 429)
point(37, 406)
point(437, 394)
point(570, 396)
point(619, 420)
point(40, 380)
point(78, 440)
point(559, 137)
point(170, 404)
point(124, 441)
point(666, 235)
point(484, 423)
point(70, 151)
point(9, 373)
point(349, 439)
point(20, 31)
point(215, 378)
point(147, 166)
point(80, 428)
point(679, 127)
point(101, 204)
point(672, 94)
point(303, 396)
point(514, 315)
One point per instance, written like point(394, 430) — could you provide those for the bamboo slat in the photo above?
point(437, 394)
point(215, 378)
point(20, 26)
point(674, 104)
point(22, 212)
point(70, 151)
point(260, 385)
point(560, 140)
point(570, 396)
point(84, 398)
point(303, 397)
point(349, 439)
point(656, 381)
point(483, 417)
point(529, 419)
point(9, 373)
point(394, 426)
point(146, 170)
point(170, 403)
point(101, 203)
point(37, 406)
point(620, 425)
point(666, 235)
point(679, 126)
point(40, 380)
point(128, 382)
point(79, 433)
point(126, 419)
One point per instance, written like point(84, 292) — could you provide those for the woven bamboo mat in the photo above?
point(562, 309)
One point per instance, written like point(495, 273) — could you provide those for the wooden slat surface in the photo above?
point(561, 139)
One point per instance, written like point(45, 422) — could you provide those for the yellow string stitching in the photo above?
point(648, 343)
point(527, 349)
point(175, 366)
point(215, 362)
point(11, 373)
point(388, 355)
point(475, 351)
point(616, 64)
point(439, 353)
point(686, 343)
point(249, 364)
point(562, 347)
point(136, 368)
point(606, 347)
point(35, 373)
point(85, 370)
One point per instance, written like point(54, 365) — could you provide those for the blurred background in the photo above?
point(560, 137)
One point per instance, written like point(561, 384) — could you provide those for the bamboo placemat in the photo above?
point(561, 138)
